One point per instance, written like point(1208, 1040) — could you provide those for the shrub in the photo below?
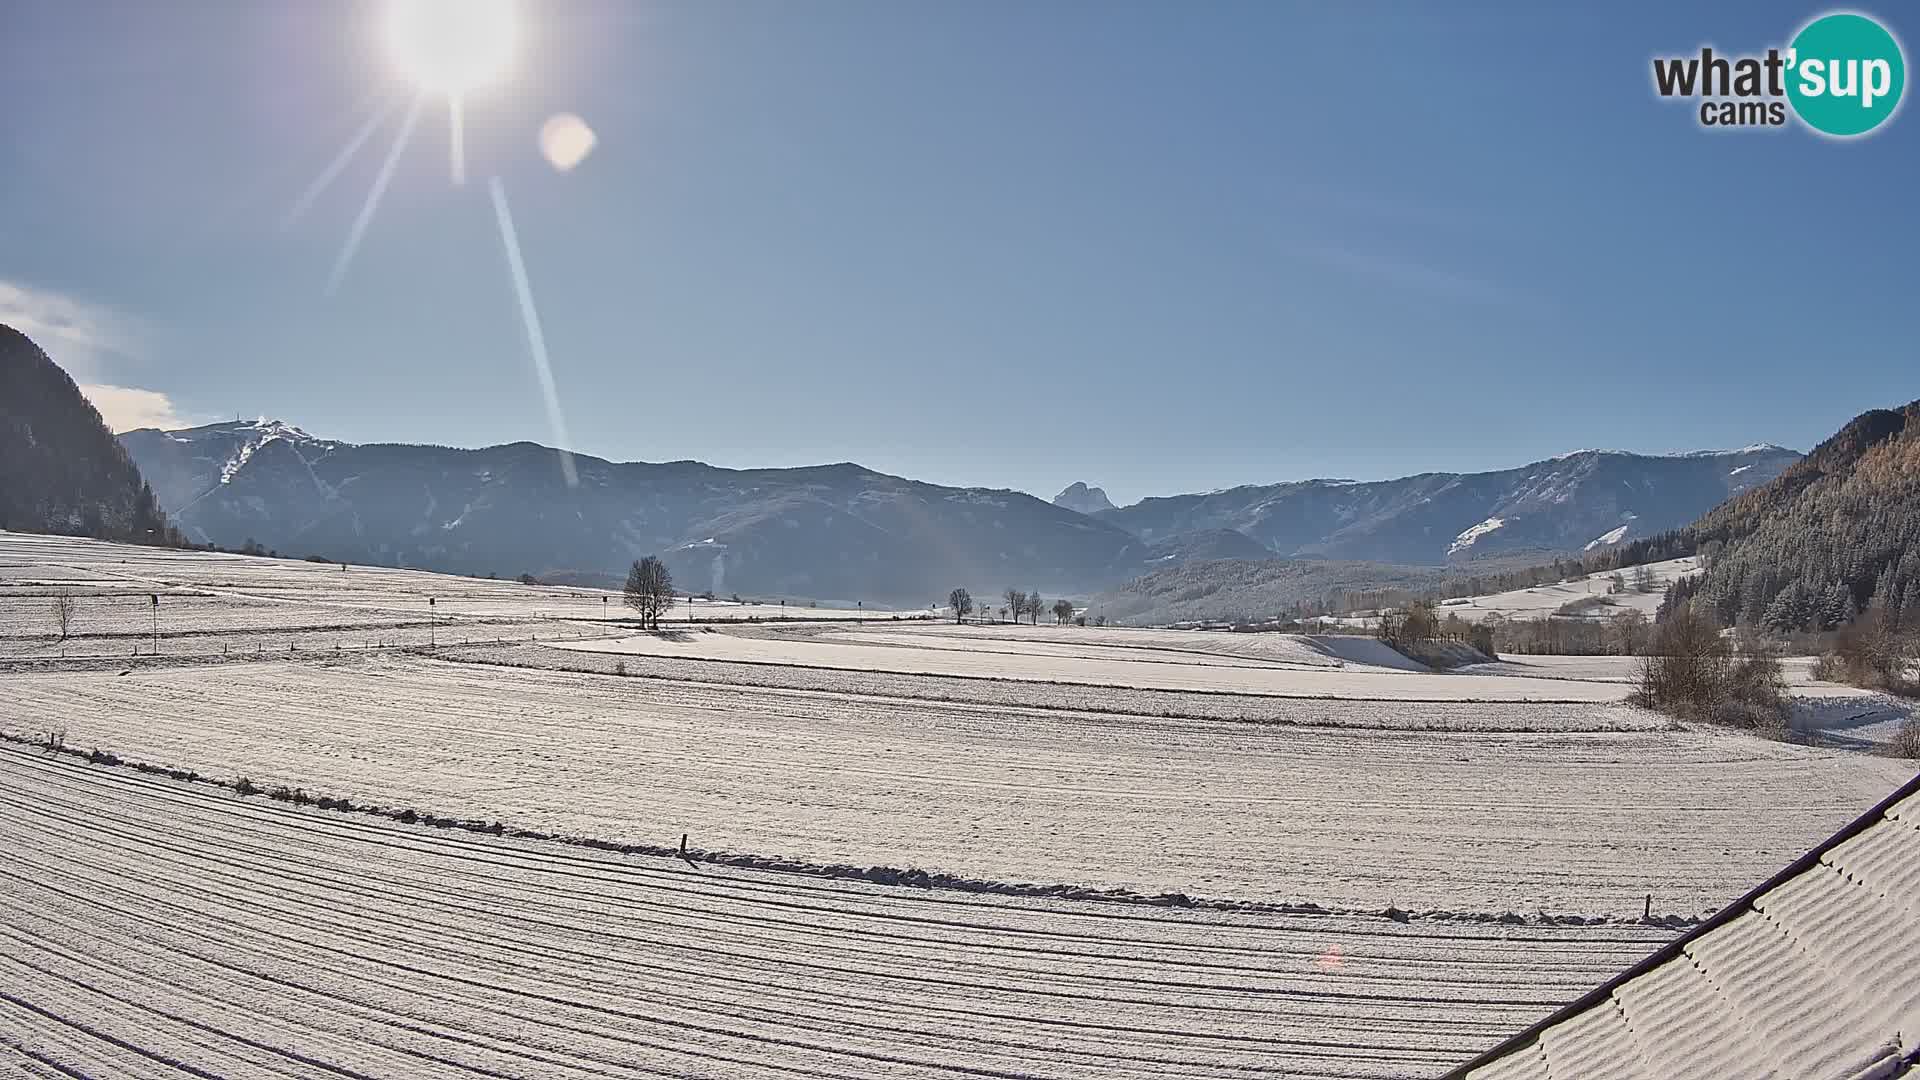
point(1583, 605)
point(1906, 741)
point(1755, 697)
point(619, 667)
point(1480, 636)
point(1871, 652)
point(1686, 670)
point(246, 786)
point(1691, 673)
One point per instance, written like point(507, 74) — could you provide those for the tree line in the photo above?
point(1019, 604)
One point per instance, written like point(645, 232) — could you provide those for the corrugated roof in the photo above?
point(1815, 974)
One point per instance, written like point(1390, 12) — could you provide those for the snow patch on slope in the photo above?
point(1611, 536)
point(1472, 536)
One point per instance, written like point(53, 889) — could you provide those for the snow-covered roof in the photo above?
point(1815, 973)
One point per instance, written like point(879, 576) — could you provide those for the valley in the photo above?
point(1224, 850)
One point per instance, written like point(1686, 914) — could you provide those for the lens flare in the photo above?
point(379, 189)
point(566, 140)
point(536, 339)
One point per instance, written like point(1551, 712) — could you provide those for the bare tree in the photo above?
point(1016, 603)
point(1631, 632)
point(649, 590)
point(1003, 613)
point(1034, 603)
point(1062, 611)
point(63, 614)
point(961, 601)
point(1643, 578)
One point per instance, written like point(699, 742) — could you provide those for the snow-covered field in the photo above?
point(1515, 819)
point(211, 603)
point(932, 653)
point(155, 928)
point(1576, 822)
point(1540, 602)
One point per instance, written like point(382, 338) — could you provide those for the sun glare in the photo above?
point(451, 46)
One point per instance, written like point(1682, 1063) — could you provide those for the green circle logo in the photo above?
point(1845, 74)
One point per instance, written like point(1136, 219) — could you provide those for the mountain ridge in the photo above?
point(843, 531)
point(1572, 502)
point(61, 469)
point(838, 531)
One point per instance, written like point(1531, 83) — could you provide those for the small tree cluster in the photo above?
point(1022, 604)
point(1691, 672)
point(1407, 628)
point(1872, 652)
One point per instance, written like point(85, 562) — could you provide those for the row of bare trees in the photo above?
point(1018, 604)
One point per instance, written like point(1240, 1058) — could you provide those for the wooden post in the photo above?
point(1648, 915)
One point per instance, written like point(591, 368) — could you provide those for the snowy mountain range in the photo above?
point(834, 532)
point(1576, 502)
point(844, 532)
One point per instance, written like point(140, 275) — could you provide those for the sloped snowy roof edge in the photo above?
point(1530, 1038)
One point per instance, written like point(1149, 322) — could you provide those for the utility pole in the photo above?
point(154, 599)
point(430, 623)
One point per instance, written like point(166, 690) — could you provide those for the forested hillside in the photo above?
point(61, 470)
point(1836, 533)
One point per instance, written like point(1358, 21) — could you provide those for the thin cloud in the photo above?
point(78, 335)
point(1417, 276)
point(86, 339)
point(125, 408)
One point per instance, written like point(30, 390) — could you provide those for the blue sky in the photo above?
point(1157, 247)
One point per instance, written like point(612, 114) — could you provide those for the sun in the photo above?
point(451, 46)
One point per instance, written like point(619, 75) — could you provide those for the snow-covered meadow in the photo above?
point(210, 602)
point(1544, 600)
point(1095, 663)
point(153, 927)
point(1581, 822)
point(1391, 867)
